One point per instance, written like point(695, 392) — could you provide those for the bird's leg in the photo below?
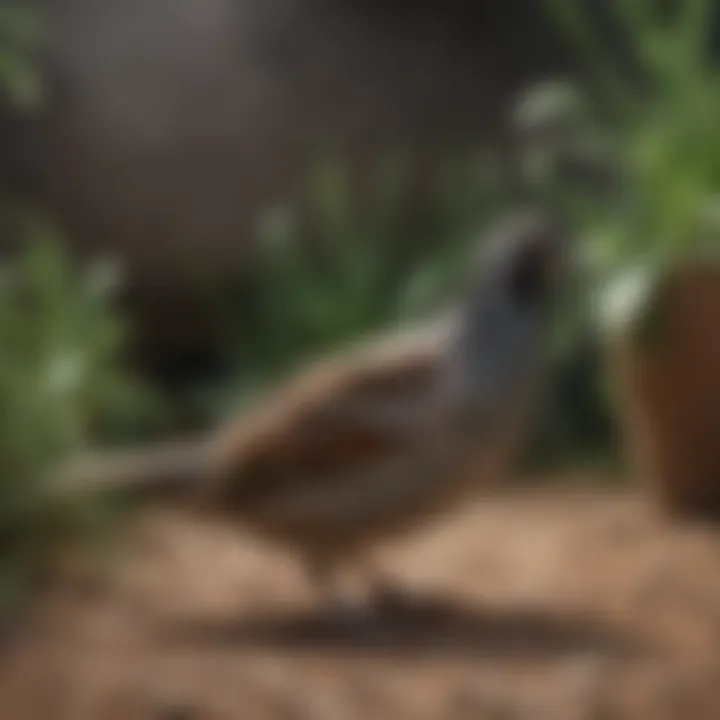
point(351, 611)
point(384, 594)
point(323, 576)
point(326, 579)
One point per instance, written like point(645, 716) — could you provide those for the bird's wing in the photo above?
point(349, 410)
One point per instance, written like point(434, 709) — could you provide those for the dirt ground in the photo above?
point(534, 604)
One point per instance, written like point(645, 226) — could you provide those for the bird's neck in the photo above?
point(494, 339)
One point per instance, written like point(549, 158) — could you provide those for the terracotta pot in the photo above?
point(669, 395)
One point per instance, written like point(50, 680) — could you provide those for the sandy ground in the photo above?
point(546, 604)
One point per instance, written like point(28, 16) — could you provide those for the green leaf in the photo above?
point(19, 80)
point(20, 26)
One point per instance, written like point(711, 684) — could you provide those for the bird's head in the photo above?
point(523, 263)
point(526, 257)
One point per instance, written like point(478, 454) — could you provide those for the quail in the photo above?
point(388, 434)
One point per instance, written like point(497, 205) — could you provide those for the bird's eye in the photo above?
point(529, 275)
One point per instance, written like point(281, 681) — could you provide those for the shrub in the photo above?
point(63, 387)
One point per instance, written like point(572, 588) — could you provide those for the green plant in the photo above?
point(633, 160)
point(63, 384)
point(20, 34)
point(63, 387)
point(350, 260)
point(649, 131)
point(657, 116)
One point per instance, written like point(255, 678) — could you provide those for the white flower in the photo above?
point(625, 298)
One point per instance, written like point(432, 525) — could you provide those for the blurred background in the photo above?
point(199, 196)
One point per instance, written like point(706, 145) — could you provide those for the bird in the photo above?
point(387, 435)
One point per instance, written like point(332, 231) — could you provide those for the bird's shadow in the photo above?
point(421, 627)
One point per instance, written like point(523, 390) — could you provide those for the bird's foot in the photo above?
point(348, 611)
point(355, 617)
point(372, 616)
point(363, 611)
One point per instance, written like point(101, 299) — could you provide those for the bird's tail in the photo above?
point(166, 471)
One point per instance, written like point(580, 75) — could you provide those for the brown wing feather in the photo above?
point(328, 418)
